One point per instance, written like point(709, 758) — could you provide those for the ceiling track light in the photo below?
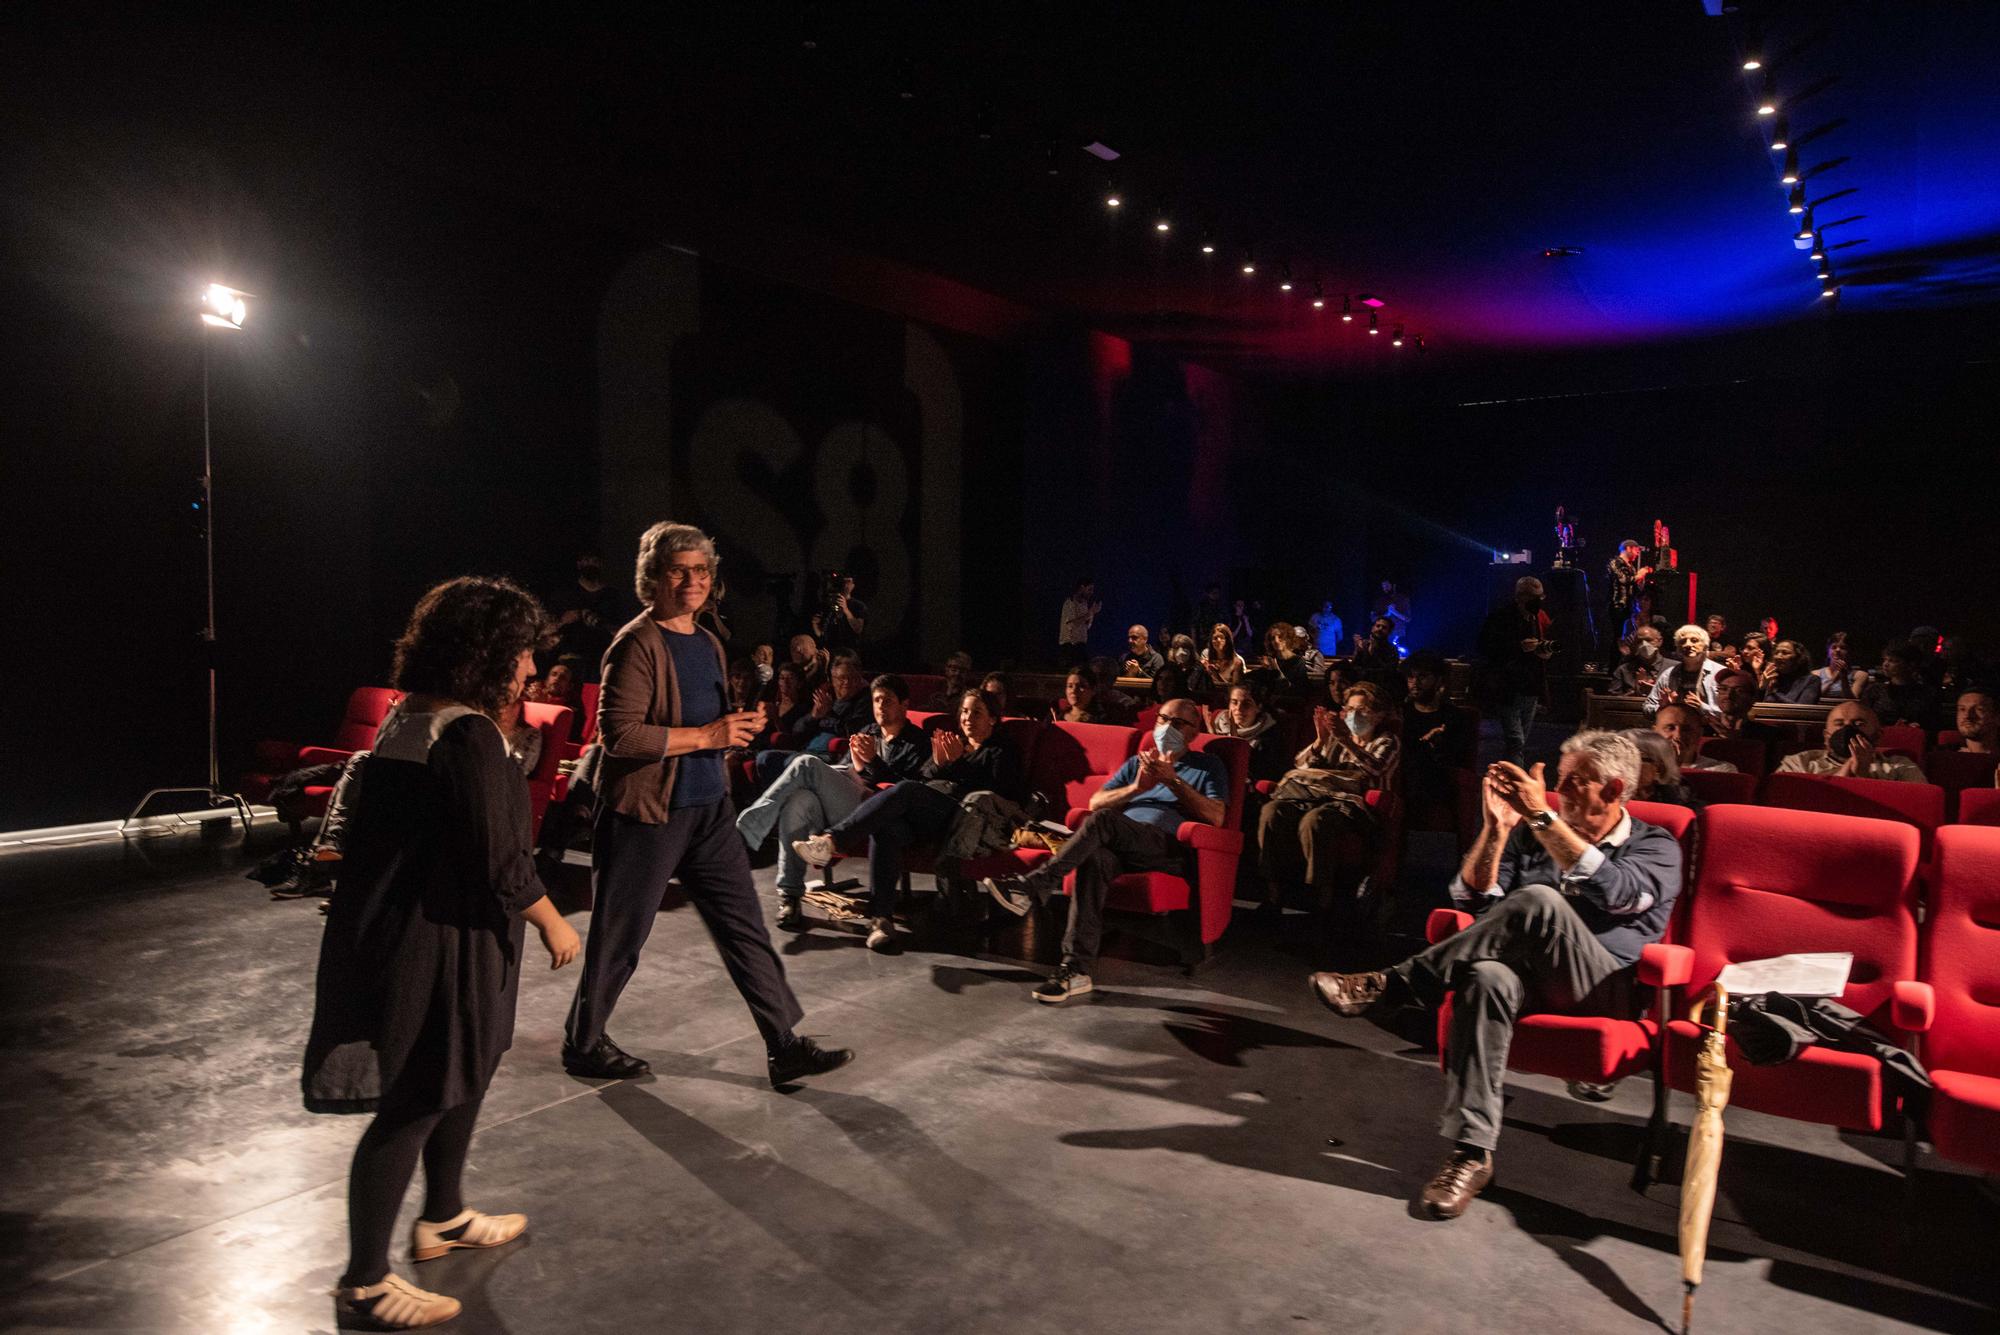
point(1781, 135)
point(1374, 322)
point(1112, 199)
point(1163, 226)
point(1346, 309)
point(1396, 339)
point(1798, 199)
point(1208, 243)
point(1791, 176)
point(1767, 105)
point(1285, 277)
point(1806, 228)
point(1753, 46)
point(1319, 296)
point(1818, 249)
point(1833, 291)
point(1249, 264)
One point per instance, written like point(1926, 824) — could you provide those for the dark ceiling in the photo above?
point(1428, 153)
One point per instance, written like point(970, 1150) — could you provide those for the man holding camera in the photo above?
point(1515, 646)
point(1852, 731)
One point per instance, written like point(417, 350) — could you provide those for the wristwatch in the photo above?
point(1542, 819)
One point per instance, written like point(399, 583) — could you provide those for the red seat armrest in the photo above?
point(322, 755)
point(1662, 965)
point(1264, 786)
point(1445, 922)
point(1076, 815)
point(1912, 1006)
point(1200, 834)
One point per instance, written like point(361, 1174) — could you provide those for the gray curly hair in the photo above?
point(661, 541)
point(1612, 754)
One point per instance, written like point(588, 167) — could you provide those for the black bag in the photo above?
point(1775, 1028)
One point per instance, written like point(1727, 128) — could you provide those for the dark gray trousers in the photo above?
point(631, 863)
point(1529, 952)
point(1107, 844)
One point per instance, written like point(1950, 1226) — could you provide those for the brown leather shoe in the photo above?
point(1349, 994)
point(1463, 1177)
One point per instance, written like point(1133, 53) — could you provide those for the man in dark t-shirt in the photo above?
point(704, 699)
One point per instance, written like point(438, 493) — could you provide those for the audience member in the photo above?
point(586, 613)
point(1208, 611)
point(1717, 630)
point(1282, 646)
point(1079, 701)
point(1736, 696)
point(1000, 690)
point(1641, 667)
point(1240, 629)
point(840, 708)
point(1376, 654)
point(1438, 737)
point(1690, 678)
point(791, 707)
point(1220, 662)
point(1329, 635)
point(1392, 603)
point(814, 794)
point(1840, 679)
point(1133, 825)
point(1168, 684)
point(1565, 901)
point(842, 617)
point(1183, 653)
point(1117, 706)
point(559, 686)
point(743, 686)
point(1788, 678)
point(1340, 679)
point(1079, 610)
point(1247, 715)
point(1852, 730)
point(1308, 651)
point(1623, 585)
point(1979, 721)
point(812, 661)
point(976, 758)
point(1322, 802)
point(523, 739)
point(957, 681)
point(1900, 694)
point(1515, 650)
point(1141, 658)
point(1682, 726)
point(765, 660)
point(1660, 770)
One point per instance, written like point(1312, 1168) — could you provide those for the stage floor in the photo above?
point(1173, 1155)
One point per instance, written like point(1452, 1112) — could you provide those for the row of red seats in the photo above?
point(1944, 764)
point(1924, 805)
point(1763, 882)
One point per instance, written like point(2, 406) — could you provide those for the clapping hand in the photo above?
point(1525, 791)
point(947, 747)
point(1860, 754)
point(863, 749)
point(822, 701)
point(1323, 720)
point(1154, 768)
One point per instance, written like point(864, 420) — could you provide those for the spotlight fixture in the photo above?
point(1806, 228)
point(1112, 199)
point(1791, 176)
point(1208, 243)
point(1285, 278)
point(1374, 322)
point(1781, 135)
point(1163, 226)
point(1767, 105)
point(223, 307)
point(1319, 296)
point(1833, 291)
point(1346, 309)
point(1753, 63)
point(1798, 199)
point(1818, 249)
point(1396, 339)
point(1249, 264)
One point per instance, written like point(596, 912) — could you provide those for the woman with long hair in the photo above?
point(1220, 662)
point(1079, 703)
point(421, 962)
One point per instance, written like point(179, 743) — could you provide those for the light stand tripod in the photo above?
point(222, 308)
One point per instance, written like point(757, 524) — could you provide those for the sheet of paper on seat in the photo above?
point(1808, 975)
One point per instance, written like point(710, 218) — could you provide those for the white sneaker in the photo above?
point(396, 1304)
point(817, 851)
point(468, 1228)
point(1006, 894)
point(881, 934)
point(1064, 985)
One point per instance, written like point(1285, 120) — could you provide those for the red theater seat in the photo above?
point(1771, 882)
point(1748, 755)
point(554, 722)
point(1962, 967)
point(1903, 739)
point(1956, 771)
point(1715, 788)
point(1979, 806)
point(1916, 804)
point(366, 707)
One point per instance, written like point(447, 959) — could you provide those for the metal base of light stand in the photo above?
point(215, 798)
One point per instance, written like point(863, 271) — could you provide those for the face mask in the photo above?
point(1167, 739)
point(1533, 605)
point(1359, 723)
point(1648, 651)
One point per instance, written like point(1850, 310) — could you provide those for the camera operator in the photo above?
point(842, 617)
point(1852, 731)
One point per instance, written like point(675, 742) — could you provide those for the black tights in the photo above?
point(383, 1164)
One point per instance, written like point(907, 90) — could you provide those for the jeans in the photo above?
point(808, 796)
point(1517, 719)
point(1530, 951)
point(891, 821)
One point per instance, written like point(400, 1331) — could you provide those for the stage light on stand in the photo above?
point(223, 307)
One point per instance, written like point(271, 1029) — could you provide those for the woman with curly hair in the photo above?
point(421, 962)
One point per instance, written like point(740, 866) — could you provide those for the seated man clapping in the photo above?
point(1565, 903)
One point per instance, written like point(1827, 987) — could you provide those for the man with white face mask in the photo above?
point(1132, 826)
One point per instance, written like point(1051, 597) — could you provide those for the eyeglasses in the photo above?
point(1193, 724)
point(682, 574)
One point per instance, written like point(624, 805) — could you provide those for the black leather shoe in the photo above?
point(604, 1061)
point(792, 917)
point(803, 1057)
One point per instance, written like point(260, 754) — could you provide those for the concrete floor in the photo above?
point(1175, 1155)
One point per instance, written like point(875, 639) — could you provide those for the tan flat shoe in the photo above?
point(396, 1304)
point(469, 1228)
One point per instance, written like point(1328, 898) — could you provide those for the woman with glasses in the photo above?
point(664, 813)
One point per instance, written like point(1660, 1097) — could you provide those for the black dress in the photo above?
point(421, 962)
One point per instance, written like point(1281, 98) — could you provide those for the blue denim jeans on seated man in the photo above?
point(808, 796)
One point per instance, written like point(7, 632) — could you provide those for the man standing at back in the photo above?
point(1514, 643)
point(1078, 611)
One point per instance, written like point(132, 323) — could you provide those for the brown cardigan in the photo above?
point(639, 700)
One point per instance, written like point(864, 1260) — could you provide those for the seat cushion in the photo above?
point(1150, 892)
point(1965, 1118)
point(1821, 1084)
point(1581, 1047)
